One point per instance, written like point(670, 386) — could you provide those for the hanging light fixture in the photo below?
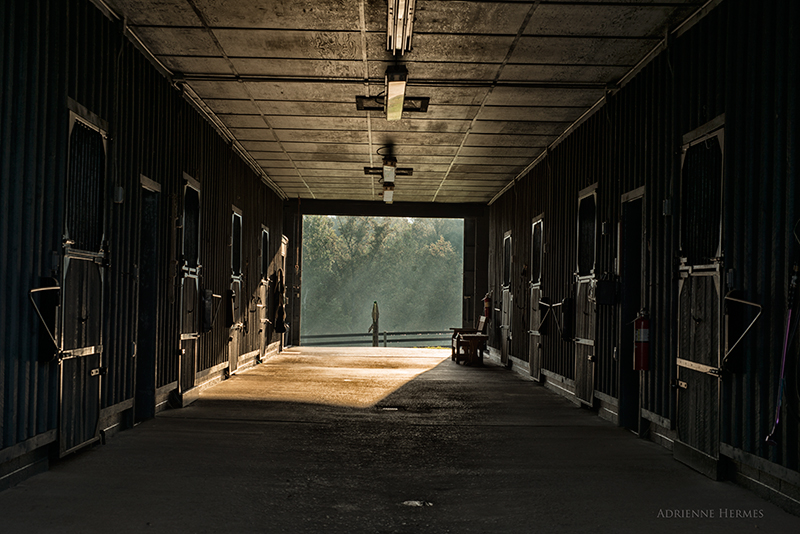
point(388, 171)
point(399, 26)
point(395, 91)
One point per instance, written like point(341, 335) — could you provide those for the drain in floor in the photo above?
point(417, 503)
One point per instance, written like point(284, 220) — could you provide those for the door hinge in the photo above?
point(680, 384)
point(98, 371)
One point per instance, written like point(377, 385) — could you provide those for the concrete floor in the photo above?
point(379, 440)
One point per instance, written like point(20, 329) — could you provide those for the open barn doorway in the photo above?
point(407, 275)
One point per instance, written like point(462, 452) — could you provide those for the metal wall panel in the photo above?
point(53, 53)
point(260, 208)
point(762, 207)
point(32, 169)
point(738, 61)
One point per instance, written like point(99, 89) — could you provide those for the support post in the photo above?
point(374, 327)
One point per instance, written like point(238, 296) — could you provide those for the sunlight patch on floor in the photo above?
point(348, 377)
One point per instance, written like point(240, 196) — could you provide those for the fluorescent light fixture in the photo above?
point(389, 167)
point(399, 25)
point(396, 78)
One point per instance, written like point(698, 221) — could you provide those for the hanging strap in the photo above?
point(778, 403)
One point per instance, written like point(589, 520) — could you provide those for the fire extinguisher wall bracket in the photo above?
point(641, 340)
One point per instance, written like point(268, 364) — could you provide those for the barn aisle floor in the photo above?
point(320, 440)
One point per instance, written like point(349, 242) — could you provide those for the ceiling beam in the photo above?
point(362, 21)
point(464, 35)
point(372, 208)
point(379, 81)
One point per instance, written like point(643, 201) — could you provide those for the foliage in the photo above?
point(411, 267)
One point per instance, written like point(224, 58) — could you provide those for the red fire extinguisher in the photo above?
point(641, 339)
point(487, 305)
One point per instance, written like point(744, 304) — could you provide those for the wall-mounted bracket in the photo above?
point(753, 304)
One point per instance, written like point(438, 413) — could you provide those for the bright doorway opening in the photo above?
point(412, 268)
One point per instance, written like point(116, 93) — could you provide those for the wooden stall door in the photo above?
point(190, 286)
point(237, 293)
point(286, 335)
point(539, 309)
point(237, 328)
point(535, 338)
point(263, 320)
point(585, 306)
point(263, 297)
point(699, 362)
point(190, 308)
point(82, 279)
point(81, 357)
point(585, 333)
point(700, 301)
point(506, 302)
point(505, 326)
